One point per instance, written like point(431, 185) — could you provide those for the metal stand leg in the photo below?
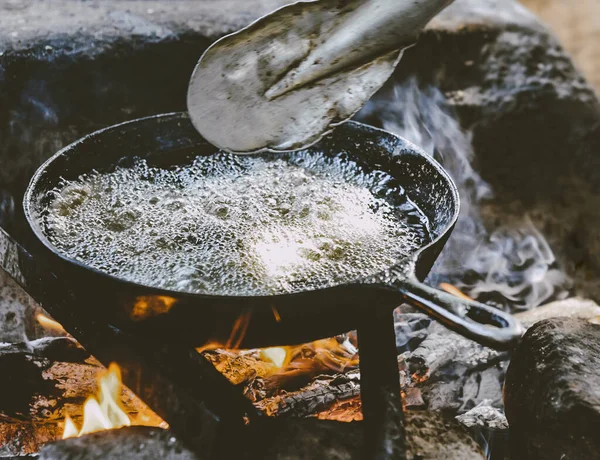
point(380, 389)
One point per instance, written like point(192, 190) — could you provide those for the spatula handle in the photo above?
point(484, 324)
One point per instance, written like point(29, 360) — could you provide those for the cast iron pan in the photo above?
point(170, 139)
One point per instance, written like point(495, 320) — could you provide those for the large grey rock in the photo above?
point(552, 391)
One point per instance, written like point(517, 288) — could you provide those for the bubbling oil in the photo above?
point(236, 225)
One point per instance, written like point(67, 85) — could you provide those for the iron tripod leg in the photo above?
point(380, 389)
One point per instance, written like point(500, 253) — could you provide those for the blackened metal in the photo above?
point(380, 388)
point(468, 318)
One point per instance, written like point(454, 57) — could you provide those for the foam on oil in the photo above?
point(237, 225)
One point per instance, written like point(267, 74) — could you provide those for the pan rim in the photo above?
point(34, 224)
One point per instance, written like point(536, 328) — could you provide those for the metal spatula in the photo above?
point(290, 77)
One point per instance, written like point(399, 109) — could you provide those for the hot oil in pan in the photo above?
point(237, 225)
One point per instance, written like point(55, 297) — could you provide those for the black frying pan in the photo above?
point(168, 140)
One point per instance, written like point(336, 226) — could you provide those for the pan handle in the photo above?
point(484, 324)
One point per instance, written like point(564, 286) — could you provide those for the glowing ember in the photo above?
point(103, 412)
point(347, 410)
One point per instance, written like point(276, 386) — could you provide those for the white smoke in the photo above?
point(513, 267)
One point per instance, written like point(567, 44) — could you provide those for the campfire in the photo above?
point(95, 363)
point(271, 377)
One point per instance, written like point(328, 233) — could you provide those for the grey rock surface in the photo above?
point(574, 307)
point(90, 27)
point(135, 443)
point(17, 313)
point(484, 416)
point(552, 391)
point(433, 435)
point(458, 376)
point(488, 425)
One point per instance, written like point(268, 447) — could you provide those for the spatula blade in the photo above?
point(227, 98)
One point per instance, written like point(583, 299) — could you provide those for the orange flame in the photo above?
point(450, 289)
point(103, 412)
point(50, 324)
point(325, 354)
point(150, 306)
point(238, 332)
point(284, 368)
point(276, 314)
point(278, 356)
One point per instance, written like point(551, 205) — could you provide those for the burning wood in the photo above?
point(316, 398)
point(104, 412)
point(285, 368)
point(316, 380)
point(322, 379)
point(51, 378)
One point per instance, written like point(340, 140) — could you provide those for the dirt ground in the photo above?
point(577, 24)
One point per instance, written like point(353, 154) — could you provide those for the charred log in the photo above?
point(319, 396)
point(552, 392)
